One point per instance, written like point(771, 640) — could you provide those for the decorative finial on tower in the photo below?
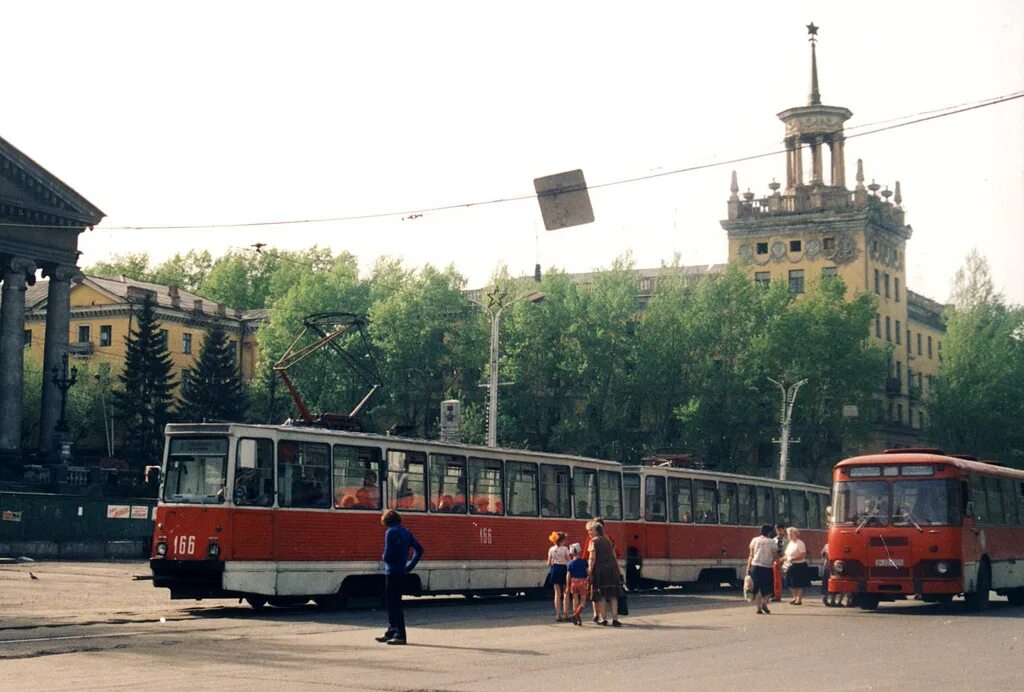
point(874, 187)
point(860, 174)
point(734, 188)
point(815, 97)
point(898, 199)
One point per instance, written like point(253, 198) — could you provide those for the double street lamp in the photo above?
point(785, 421)
point(495, 301)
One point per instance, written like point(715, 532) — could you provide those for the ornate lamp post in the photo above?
point(63, 381)
point(785, 422)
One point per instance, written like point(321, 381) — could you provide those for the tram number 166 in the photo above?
point(184, 545)
point(485, 537)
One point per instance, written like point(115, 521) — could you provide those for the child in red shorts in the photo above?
point(577, 582)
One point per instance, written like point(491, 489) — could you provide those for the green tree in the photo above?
point(214, 391)
point(188, 271)
point(144, 400)
point(251, 279)
point(977, 403)
point(134, 265)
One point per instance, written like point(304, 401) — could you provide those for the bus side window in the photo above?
point(654, 498)
point(995, 501)
point(979, 498)
point(631, 492)
point(1007, 487)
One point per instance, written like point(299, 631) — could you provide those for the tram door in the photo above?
point(252, 535)
point(656, 535)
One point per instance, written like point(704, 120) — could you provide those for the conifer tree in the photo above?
point(143, 402)
point(214, 391)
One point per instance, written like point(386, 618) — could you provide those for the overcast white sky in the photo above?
point(228, 112)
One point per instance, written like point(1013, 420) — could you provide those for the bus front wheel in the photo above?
point(868, 601)
point(977, 600)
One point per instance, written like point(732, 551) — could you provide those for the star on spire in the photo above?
point(812, 31)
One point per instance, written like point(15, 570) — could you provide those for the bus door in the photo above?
point(252, 531)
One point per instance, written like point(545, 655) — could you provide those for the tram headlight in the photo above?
point(942, 567)
point(838, 567)
point(213, 550)
point(161, 549)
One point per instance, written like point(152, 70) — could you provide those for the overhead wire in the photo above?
point(884, 125)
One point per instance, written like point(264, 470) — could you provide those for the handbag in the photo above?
point(623, 604)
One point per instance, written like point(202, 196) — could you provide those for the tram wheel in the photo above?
point(1015, 597)
point(331, 602)
point(867, 602)
point(256, 602)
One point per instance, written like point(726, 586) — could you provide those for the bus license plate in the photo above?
point(888, 563)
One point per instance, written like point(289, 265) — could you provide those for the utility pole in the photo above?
point(64, 382)
point(785, 421)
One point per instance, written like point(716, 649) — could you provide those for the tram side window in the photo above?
point(798, 509)
point(705, 509)
point(654, 498)
point(995, 501)
point(631, 493)
point(522, 489)
point(303, 474)
point(485, 487)
point(814, 511)
point(406, 481)
point(747, 495)
point(680, 500)
point(783, 508)
point(356, 477)
point(765, 507)
point(447, 484)
point(254, 473)
point(1009, 501)
point(555, 500)
point(610, 492)
point(728, 510)
point(584, 483)
point(980, 499)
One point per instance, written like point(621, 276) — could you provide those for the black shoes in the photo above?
point(396, 641)
point(386, 638)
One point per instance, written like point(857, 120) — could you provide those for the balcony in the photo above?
point(80, 349)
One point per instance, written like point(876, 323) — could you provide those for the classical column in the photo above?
point(58, 324)
point(838, 162)
point(791, 153)
point(816, 161)
point(16, 271)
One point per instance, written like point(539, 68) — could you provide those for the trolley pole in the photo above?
point(785, 422)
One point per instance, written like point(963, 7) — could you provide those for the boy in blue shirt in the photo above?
point(577, 582)
point(398, 540)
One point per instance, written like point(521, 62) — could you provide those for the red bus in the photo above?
point(285, 514)
point(919, 522)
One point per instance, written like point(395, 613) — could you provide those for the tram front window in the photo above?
point(196, 470)
point(861, 503)
point(925, 503)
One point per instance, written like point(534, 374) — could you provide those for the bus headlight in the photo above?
point(838, 567)
point(161, 549)
point(942, 567)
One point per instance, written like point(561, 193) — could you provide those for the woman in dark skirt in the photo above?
point(798, 575)
point(605, 577)
point(759, 567)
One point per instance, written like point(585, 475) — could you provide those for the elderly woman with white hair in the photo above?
point(798, 575)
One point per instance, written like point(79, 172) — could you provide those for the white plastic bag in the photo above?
point(748, 588)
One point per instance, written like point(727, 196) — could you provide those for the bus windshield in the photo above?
point(196, 470)
point(925, 503)
point(861, 503)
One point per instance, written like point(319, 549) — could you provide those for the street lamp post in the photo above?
point(785, 420)
point(497, 299)
point(63, 381)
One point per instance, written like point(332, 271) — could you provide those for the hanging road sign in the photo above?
point(564, 200)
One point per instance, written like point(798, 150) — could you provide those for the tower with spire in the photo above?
point(816, 228)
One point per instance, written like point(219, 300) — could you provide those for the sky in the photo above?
point(214, 113)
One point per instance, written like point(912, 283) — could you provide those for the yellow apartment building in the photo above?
point(102, 313)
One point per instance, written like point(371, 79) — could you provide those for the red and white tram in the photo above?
point(285, 514)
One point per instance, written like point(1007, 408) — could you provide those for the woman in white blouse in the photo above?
point(798, 577)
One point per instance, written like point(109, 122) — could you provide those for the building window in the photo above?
point(919, 343)
point(794, 246)
point(762, 248)
point(84, 332)
point(762, 279)
point(828, 243)
point(106, 335)
point(829, 272)
point(878, 283)
point(163, 338)
point(908, 341)
point(920, 383)
point(910, 376)
point(878, 325)
point(899, 332)
point(888, 329)
point(796, 280)
point(929, 346)
point(186, 343)
point(899, 373)
point(28, 338)
point(885, 279)
point(896, 289)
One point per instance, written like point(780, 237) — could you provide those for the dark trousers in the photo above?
point(393, 601)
